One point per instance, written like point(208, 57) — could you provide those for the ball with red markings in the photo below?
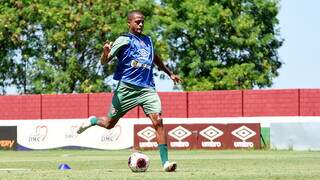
point(138, 162)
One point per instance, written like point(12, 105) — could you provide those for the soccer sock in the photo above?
point(94, 120)
point(163, 153)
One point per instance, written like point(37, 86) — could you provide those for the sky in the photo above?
point(300, 28)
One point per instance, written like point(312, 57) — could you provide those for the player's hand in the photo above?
point(107, 48)
point(176, 79)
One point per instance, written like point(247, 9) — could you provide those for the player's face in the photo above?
point(136, 24)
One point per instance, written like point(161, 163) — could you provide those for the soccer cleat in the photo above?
point(85, 125)
point(169, 166)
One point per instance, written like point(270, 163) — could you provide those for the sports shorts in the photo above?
point(128, 96)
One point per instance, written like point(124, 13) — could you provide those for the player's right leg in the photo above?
point(86, 124)
point(104, 122)
point(123, 100)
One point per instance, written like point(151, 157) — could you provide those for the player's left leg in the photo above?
point(151, 104)
point(162, 142)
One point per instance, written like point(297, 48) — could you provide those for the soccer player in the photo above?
point(135, 54)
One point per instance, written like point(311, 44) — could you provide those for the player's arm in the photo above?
point(111, 49)
point(106, 56)
point(164, 68)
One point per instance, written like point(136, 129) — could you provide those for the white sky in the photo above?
point(300, 27)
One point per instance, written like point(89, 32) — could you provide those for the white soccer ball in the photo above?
point(138, 162)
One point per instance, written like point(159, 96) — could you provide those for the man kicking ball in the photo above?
point(136, 57)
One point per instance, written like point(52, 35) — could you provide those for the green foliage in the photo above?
point(55, 46)
point(228, 44)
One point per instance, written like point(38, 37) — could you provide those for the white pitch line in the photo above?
point(14, 169)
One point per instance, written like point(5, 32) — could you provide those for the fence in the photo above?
point(232, 103)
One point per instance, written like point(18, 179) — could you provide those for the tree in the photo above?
point(55, 46)
point(225, 44)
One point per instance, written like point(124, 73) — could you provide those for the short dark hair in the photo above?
point(131, 13)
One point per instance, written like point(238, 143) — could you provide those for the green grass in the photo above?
point(193, 164)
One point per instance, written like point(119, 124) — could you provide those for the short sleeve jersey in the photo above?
point(135, 60)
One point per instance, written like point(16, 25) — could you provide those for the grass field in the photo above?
point(195, 164)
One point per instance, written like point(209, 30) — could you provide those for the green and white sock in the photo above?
point(163, 153)
point(93, 120)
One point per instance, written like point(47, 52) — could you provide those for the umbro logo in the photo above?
point(147, 133)
point(179, 133)
point(243, 133)
point(211, 133)
point(143, 53)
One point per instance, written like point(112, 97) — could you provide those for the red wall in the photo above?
point(20, 107)
point(215, 104)
point(309, 102)
point(64, 106)
point(235, 103)
point(174, 104)
point(271, 103)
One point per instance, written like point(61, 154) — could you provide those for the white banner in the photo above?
point(47, 134)
point(56, 133)
point(295, 136)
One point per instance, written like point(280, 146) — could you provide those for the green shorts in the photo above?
point(128, 96)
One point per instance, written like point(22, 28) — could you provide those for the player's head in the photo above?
point(135, 22)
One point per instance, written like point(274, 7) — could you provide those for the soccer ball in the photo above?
point(138, 162)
